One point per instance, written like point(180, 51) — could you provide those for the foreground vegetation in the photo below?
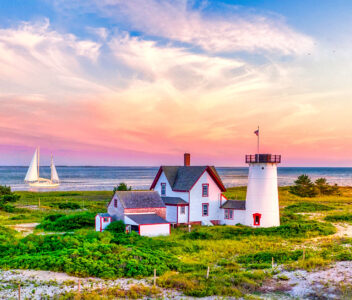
point(239, 258)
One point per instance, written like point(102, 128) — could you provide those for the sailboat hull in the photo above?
point(43, 184)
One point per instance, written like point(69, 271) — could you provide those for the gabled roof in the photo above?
point(139, 199)
point(235, 204)
point(104, 215)
point(183, 178)
point(173, 200)
point(146, 219)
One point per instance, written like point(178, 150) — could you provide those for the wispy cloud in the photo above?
point(231, 32)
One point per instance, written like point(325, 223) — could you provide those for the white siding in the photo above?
point(116, 213)
point(100, 224)
point(213, 199)
point(154, 229)
point(238, 217)
point(171, 213)
point(169, 191)
point(97, 223)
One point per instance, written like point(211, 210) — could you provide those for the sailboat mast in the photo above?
point(51, 168)
point(38, 161)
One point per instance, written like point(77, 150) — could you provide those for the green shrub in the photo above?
point(265, 257)
point(326, 189)
point(339, 218)
point(68, 205)
point(116, 227)
point(59, 222)
point(291, 229)
point(7, 196)
point(307, 207)
point(85, 254)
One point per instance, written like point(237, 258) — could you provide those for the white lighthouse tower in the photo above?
point(262, 200)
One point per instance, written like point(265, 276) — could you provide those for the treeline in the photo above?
point(305, 187)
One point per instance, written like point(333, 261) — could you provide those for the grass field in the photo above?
point(314, 233)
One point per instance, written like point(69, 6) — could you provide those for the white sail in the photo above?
point(32, 173)
point(54, 176)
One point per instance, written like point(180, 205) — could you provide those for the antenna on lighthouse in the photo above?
point(257, 134)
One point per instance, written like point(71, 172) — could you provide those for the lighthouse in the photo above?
point(262, 199)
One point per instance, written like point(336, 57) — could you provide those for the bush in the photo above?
point(116, 227)
point(326, 189)
point(265, 257)
point(307, 207)
point(304, 187)
point(7, 196)
point(59, 222)
point(69, 205)
point(85, 254)
point(291, 229)
point(339, 218)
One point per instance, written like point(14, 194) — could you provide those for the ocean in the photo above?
point(105, 178)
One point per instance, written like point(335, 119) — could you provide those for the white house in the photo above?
point(193, 195)
point(142, 211)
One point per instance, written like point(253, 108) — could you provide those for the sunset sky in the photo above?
point(140, 82)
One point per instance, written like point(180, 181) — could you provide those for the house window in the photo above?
point(163, 189)
point(205, 190)
point(229, 214)
point(115, 202)
point(182, 210)
point(106, 219)
point(256, 219)
point(205, 209)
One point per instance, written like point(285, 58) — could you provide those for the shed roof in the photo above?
point(182, 178)
point(235, 204)
point(139, 199)
point(104, 215)
point(144, 219)
point(173, 200)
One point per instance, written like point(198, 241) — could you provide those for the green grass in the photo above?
point(239, 257)
point(307, 207)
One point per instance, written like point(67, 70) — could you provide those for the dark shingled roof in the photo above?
point(140, 199)
point(147, 219)
point(235, 204)
point(173, 200)
point(184, 177)
point(104, 215)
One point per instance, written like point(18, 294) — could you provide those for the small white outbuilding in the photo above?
point(102, 221)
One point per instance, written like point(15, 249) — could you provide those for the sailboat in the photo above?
point(33, 178)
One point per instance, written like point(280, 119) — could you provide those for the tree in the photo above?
point(325, 188)
point(122, 187)
point(304, 187)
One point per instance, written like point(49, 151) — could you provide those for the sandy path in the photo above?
point(39, 285)
point(331, 283)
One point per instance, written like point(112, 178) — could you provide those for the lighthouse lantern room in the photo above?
point(262, 199)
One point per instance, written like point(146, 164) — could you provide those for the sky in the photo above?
point(140, 82)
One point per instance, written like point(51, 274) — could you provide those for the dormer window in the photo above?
point(163, 189)
point(205, 190)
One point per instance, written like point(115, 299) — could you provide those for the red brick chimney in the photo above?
point(187, 159)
